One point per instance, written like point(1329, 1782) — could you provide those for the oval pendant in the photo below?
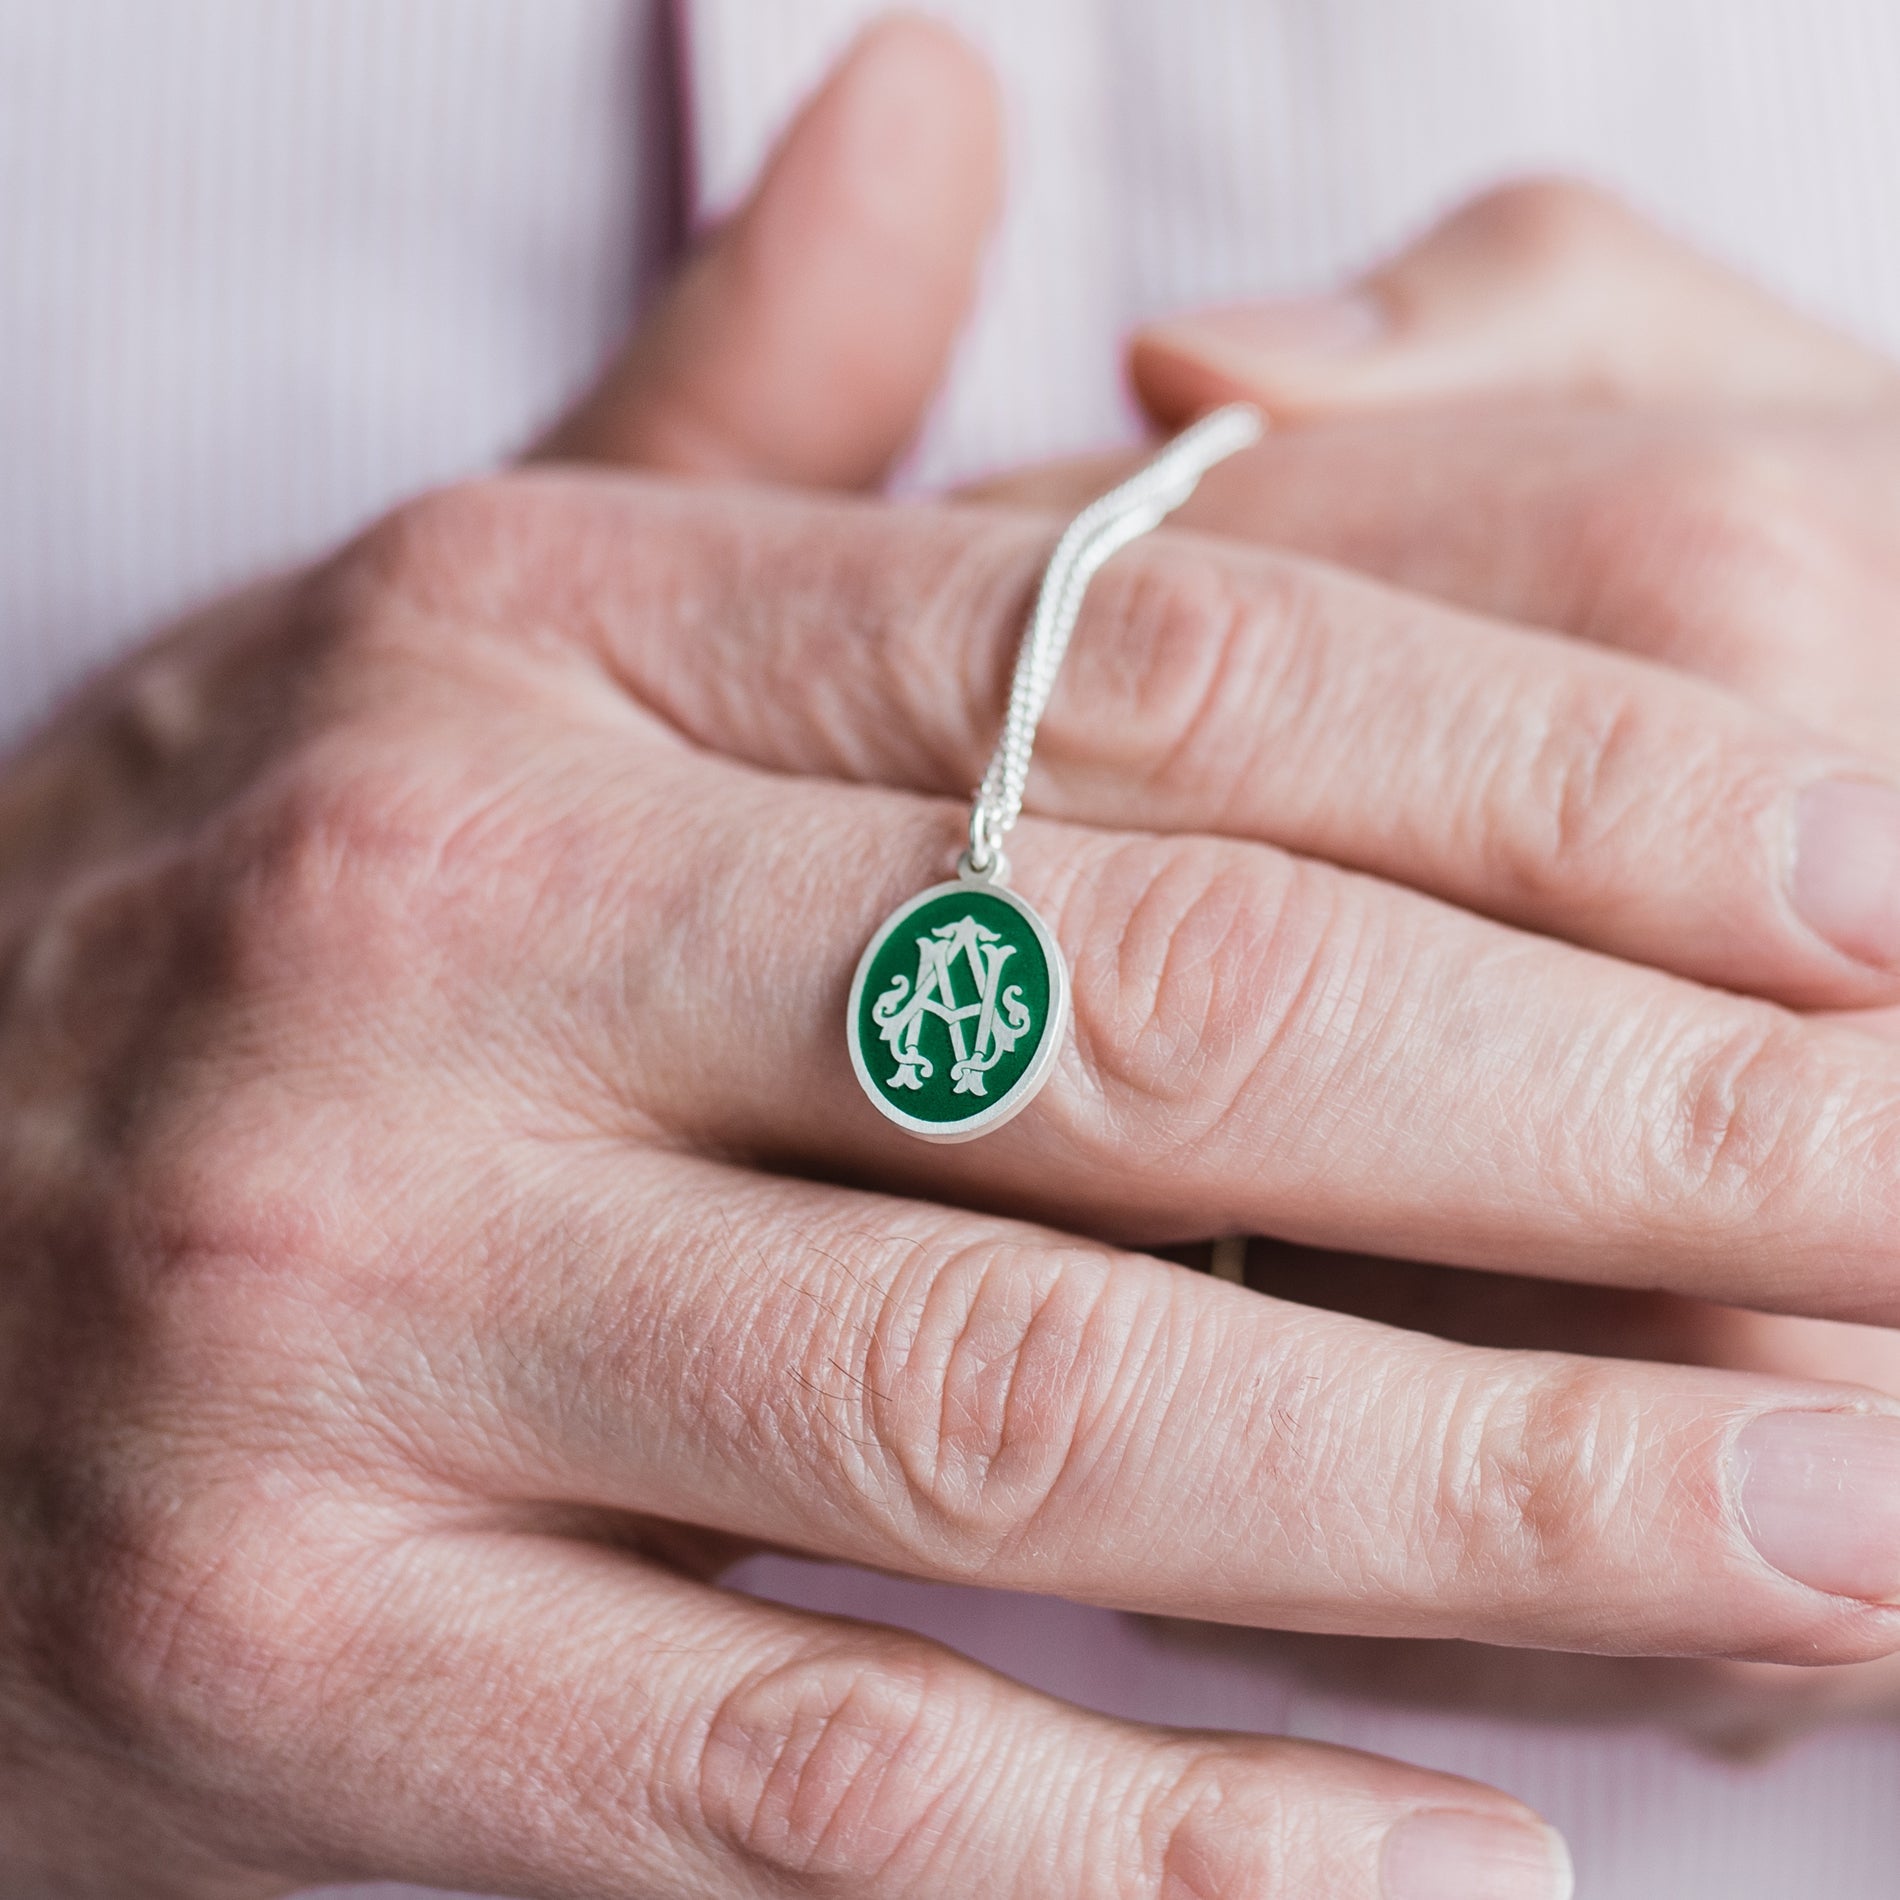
point(958, 1010)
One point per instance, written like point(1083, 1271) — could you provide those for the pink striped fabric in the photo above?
point(268, 267)
point(1166, 155)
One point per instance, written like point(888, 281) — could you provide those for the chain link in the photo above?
point(1101, 530)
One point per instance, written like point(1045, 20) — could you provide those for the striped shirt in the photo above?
point(270, 266)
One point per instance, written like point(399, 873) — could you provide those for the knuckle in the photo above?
point(1530, 1476)
point(516, 564)
point(335, 808)
point(1581, 774)
point(1216, 1827)
point(1179, 652)
point(145, 1610)
point(988, 1393)
point(1574, 798)
point(1207, 968)
point(313, 871)
point(1710, 1131)
point(85, 968)
point(444, 551)
point(837, 1769)
point(1548, 226)
point(352, 854)
point(158, 728)
point(173, 1609)
point(1739, 1119)
point(1723, 532)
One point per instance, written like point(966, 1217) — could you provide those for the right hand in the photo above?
point(442, 1228)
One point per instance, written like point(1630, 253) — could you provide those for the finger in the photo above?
point(1740, 1713)
point(976, 1400)
point(592, 1726)
point(1547, 289)
point(1260, 1044)
point(1218, 689)
point(1516, 1313)
point(804, 341)
point(1755, 553)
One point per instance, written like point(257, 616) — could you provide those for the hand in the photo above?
point(422, 1089)
point(1549, 412)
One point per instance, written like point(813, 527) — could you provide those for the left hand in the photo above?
point(1550, 413)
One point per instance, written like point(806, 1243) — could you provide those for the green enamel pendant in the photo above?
point(958, 1010)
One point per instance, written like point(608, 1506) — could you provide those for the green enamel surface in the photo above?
point(919, 1077)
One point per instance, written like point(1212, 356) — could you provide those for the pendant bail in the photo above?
point(984, 861)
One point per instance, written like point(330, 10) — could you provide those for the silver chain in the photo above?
point(1102, 529)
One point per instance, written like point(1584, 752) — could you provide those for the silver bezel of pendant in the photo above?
point(1029, 1084)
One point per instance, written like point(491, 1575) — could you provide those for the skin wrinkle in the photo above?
point(1733, 1121)
point(797, 597)
point(1315, 1050)
point(725, 1388)
point(902, 626)
point(1148, 1020)
point(1434, 731)
point(974, 1504)
point(1530, 1469)
point(762, 1429)
point(1184, 1868)
point(849, 1736)
point(1197, 1854)
point(1159, 648)
point(1014, 1418)
point(1576, 754)
point(1184, 1015)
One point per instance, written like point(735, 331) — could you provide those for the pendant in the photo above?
point(958, 1010)
point(961, 1001)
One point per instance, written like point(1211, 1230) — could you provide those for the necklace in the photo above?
point(960, 1003)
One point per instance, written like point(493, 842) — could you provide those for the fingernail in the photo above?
point(1448, 1854)
point(1847, 867)
point(1819, 1496)
point(1289, 326)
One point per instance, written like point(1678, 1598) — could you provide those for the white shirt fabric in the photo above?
point(270, 264)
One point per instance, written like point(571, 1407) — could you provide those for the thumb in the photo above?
point(1546, 289)
point(803, 343)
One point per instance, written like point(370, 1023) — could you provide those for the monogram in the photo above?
point(998, 1013)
